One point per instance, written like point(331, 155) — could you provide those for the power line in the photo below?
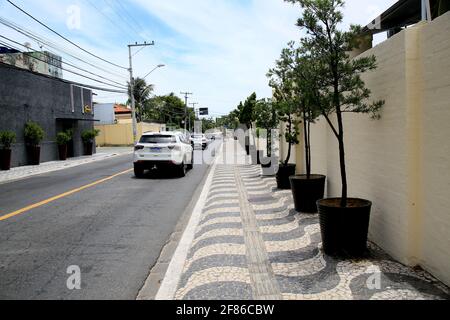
point(42, 41)
point(63, 37)
point(54, 65)
point(107, 17)
point(113, 7)
point(71, 65)
point(130, 15)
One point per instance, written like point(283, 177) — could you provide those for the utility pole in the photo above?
point(193, 104)
point(186, 97)
point(133, 102)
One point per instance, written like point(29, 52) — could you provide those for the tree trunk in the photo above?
point(289, 142)
point(342, 158)
point(307, 149)
point(337, 105)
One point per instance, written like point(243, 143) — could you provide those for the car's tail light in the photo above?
point(136, 148)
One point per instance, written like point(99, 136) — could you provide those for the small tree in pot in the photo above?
point(62, 138)
point(266, 114)
point(281, 81)
point(344, 221)
point(7, 138)
point(307, 188)
point(34, 134)
point(88, 137)
point(246, 117)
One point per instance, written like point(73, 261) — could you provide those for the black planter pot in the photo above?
point(5, 159)
point(306, 191)
point(62, 150)
point(344, 230)
point(266, 165)
point(254, 155)
point(283, 174)
point(34, 155)
point(88, 148)
point(247, 149)
point(270, 169)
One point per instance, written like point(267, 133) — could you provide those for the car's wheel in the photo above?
point(191, 165)
point(182, 170)
point(138, 171)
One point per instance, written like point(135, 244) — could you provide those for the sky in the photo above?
point(220, 50)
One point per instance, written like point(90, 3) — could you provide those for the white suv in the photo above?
point(162, 150)
point(199, 140)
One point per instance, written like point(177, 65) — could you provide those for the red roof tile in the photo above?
point(121, 109)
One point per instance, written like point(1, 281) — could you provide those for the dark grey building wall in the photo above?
point(27, 96)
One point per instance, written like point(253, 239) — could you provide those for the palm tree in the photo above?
point(141, 92)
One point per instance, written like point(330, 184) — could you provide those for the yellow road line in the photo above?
point(62, 195)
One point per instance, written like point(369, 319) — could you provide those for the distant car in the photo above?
point(214, 136)
point(163, 150)
point(199, 140)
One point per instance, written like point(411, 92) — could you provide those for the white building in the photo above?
point(42, 62)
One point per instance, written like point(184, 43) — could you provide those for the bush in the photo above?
point(7, 138)
point(89, 135)
point(34, 133)
point(63, 138)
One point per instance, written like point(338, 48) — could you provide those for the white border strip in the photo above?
point(172, 277)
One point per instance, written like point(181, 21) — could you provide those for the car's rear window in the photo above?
point(158, 139)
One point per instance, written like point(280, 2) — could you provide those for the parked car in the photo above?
point(199, 140)
point(163, 150)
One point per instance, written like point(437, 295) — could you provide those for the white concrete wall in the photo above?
point(104, 112)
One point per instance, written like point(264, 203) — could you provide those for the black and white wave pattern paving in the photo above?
point(217, 265)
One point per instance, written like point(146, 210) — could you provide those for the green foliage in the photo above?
point(246, 111)
point(63, 138)
point(89, 135)
point(34, 133)
point(208, 124)
point(231, 121)
point(7, 138)
point(141, 92)
point(168, 109)
point(266, 116)
point(338, 76)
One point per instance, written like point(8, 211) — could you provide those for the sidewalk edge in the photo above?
point(175, 251)
point(68, 166)
point(169, 285)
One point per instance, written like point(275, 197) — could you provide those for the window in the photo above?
point(158, 139)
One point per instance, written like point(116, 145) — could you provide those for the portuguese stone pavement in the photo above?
point(252, 244)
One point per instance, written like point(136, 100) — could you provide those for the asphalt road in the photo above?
point(114, 231)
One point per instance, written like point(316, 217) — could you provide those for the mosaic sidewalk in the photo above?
point(252, 244)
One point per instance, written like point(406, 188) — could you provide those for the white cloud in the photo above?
point(220, 50)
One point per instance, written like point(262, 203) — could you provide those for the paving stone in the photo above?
point(259, 247)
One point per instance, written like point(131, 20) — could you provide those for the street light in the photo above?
point(158, 66)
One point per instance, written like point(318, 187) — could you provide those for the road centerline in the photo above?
point(60, 196)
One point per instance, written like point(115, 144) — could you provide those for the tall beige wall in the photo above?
point(121, 134)
point(435, 151)
point(401, 162)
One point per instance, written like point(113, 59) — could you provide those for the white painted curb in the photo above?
point(169, 285)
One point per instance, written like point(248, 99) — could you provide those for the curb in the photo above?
point(67, 166)
point(167, 272)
